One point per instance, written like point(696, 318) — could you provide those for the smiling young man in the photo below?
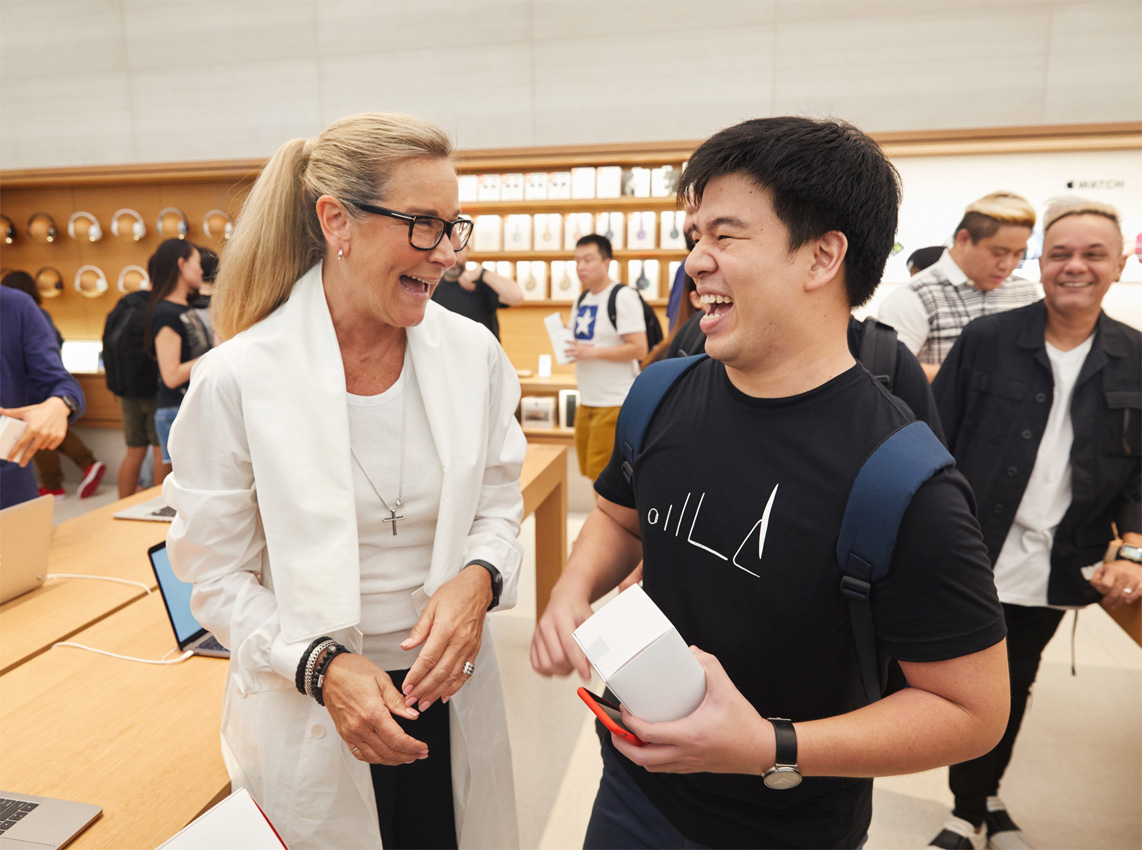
point(751, 455)
point(971, 279)
point(1042, 412)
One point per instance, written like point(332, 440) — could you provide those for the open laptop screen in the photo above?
point(176, 596)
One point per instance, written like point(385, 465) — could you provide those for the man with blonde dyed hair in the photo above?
point(971, 279)
point(1041, 409)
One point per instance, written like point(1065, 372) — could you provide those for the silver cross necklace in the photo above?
point(393, 515)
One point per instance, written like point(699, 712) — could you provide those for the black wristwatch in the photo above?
point(497, 581)
point(72, 407)
point(1127, 552)
point(784, 773)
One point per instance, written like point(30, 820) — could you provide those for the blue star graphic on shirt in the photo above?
point(585, 322)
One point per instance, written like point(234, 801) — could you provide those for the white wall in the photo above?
point(88, 82)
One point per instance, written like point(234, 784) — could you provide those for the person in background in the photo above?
point(752, 452)
point(34, 388)
point(200, 301)
point(1042, 412)
point(606, 354)
point(346, 476)
point(476, 293)
point(922, 258)
point(133, 377)
point(173, 332)
point(72, 445)
point(972, 278)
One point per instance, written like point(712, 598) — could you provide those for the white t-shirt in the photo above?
point(604, 383)
point(393, 566)
point(1024, 562)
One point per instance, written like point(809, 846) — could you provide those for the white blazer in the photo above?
point(266, 531)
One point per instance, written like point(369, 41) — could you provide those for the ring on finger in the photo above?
point(355, 749)
point(1128, 590)
point(469, 668)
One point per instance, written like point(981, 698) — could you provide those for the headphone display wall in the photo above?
point(94, 231)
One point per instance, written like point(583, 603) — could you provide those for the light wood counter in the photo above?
point(92, 544)
point(544, 484)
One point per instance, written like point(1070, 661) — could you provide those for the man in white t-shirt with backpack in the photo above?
point(606, 352)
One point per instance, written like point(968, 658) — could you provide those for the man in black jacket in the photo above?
point(1042, 409)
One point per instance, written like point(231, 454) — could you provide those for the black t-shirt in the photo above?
point(479, 305)
point(185, 321)
point(739, 503)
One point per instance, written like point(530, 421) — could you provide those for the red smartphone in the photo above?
point(609, 715)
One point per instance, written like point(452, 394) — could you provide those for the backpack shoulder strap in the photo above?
point(878, 350)
point(642, 401)
point(612, 304)
point(880, 495)
point(579, 300)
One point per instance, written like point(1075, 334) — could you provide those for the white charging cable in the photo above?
point(53, 576)
point(163, 660)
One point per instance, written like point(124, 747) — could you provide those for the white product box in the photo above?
point(489, 187)
point(611, 225)
point(517, 233)
point(469, 188)
point(559, 186)
point(642, 658)
point(548, 231)
point(575, 227)
point(487, 235)
point(609, 181)
point(511, 187)
point(532, 279)
point(640, 229)
point(10, 431)
point(583, 182)
point(643, 276)
point(564, 281)
point(535, 186)
point(664, 181)
point(672, 236)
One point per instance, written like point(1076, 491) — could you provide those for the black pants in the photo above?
point(1029, 630)
point(414, 801)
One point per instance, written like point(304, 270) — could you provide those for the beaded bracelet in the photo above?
point(319, 674)
point(299, 677)
point(312, 662)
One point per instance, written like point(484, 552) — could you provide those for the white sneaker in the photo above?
point(1002, 833)
point(958, 834)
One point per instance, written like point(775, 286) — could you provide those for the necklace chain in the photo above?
point(400, 485)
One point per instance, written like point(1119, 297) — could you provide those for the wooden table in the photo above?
point(544, 484)
point(140, 740)
point(92, 544)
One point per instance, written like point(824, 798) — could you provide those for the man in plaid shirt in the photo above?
point(970, 280)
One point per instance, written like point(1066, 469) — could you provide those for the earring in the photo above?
point(340, 254)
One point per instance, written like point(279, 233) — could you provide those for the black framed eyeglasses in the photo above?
point(426, 231)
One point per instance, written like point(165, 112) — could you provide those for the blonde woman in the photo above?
point(347, 485)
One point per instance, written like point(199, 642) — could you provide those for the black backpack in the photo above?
point(878, 351)
point(653, 328)
point(131, 373)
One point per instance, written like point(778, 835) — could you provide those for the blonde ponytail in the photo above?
point(278, 237)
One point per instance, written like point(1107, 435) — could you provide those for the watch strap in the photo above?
point(71, 403)
point(785, 742)
point(497, 581)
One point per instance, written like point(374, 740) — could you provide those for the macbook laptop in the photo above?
point(41, 823)
point(176, 596)
point(25, 538)
point(152, 510)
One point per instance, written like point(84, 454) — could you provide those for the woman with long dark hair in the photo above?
point(173, 332)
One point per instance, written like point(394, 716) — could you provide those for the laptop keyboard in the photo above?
point(211, 643)
point(165, 510)
point(12, 812)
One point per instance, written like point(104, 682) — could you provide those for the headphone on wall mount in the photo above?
point(49, 282)
point(227, 227)
point(138, 275)
point(52, 231)
point(8, 229)
point(183, 227)
point(90, 281)
point(94, 231)
point(138, 228)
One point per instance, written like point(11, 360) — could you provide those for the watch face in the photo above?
point(781, 778)
point(1130, 553)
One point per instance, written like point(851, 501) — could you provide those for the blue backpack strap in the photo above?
point(642, 402)
point(880, 495)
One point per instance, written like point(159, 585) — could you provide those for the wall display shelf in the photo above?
point(629, 181)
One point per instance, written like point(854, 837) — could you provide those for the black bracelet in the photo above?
point(319, 673)
point(299, 677)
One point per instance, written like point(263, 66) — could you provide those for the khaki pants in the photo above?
point(47, 460)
